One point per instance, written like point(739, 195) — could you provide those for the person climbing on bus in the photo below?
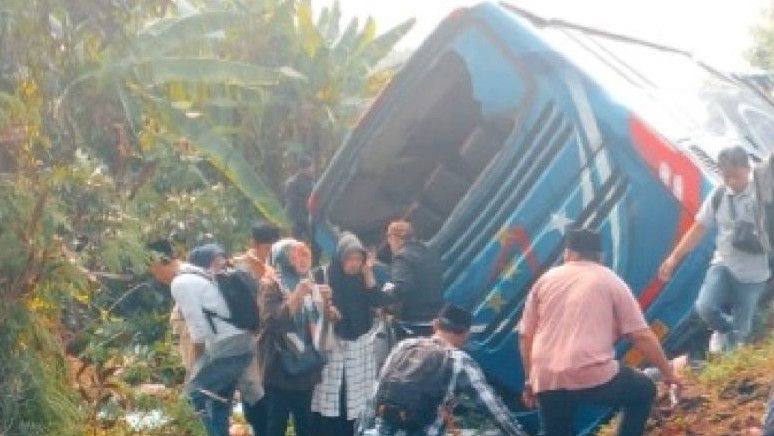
point(737, 276)
point(415, 281)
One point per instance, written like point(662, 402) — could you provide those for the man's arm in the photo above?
point(685, 246)
point(525, 349)
point(526, 329)
point(472, 381)
point(631, 324)
point(647, 342)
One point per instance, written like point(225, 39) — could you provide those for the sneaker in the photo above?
point(718, 342)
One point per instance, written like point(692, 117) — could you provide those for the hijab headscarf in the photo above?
point(309, 320)
point(287, 277)
point(350, 295)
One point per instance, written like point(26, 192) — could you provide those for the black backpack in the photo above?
point(414, 385)
point(240, 291)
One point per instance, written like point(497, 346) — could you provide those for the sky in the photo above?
point(716, 31)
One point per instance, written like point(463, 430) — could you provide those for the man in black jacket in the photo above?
point(415, 284)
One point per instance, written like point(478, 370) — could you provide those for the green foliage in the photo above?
point(124, 121)
point(35, 398)
point(249, 102)
point(761, 54)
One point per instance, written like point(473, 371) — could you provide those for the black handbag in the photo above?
point(746, 237)
point(299, 362)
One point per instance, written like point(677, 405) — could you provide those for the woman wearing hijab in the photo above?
point(291, 316)
point(349, 376)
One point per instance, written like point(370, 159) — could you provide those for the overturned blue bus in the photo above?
point(503, 128)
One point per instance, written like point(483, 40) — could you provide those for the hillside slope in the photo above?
point(727, 397)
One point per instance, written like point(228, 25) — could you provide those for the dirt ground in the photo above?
point(728, 396)
point(731, 410)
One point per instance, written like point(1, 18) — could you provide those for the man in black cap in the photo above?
point(573, 317)
point(423, 377)
point(298, 188)
point(255, 259)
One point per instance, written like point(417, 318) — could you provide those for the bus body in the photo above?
point(504, 128)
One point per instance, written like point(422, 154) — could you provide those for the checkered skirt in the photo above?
point(355, 360)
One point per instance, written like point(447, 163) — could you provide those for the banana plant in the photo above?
point(246, 86)
point(158, 61)
point(341, 63)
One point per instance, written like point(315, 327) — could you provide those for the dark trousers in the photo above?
point(629, 390)
point(338, 426)
point(280, 404)
point(255, 415)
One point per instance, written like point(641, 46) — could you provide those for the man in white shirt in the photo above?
point(737, 276)
point(196, 293)
point(221, 351)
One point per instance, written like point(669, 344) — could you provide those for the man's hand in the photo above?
point(667, 269)
point(528, 397)
point(691, 239)
point(671, 380)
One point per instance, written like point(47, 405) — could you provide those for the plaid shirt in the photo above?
point(465, 378)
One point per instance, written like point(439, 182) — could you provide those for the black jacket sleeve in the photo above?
point(403, 277)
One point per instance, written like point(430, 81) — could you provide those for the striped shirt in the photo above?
point(465, 378)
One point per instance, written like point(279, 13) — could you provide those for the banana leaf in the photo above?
point(215, 147)
point(381, 46)
point(331, 31)
point(171, 33)
point(157, 71)
point(311, 40)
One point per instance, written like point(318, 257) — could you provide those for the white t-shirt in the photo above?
point(746, 267)
point(192, 293)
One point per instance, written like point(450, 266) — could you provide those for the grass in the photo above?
point(748, 360)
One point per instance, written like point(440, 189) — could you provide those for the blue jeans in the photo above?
point(214, 413)
point(722, 291)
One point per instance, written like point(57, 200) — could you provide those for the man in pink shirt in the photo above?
point(573, 317)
